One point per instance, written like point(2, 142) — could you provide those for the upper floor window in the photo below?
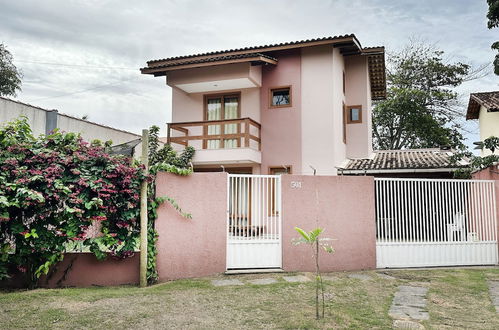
point(354, 114)
point(280, 97)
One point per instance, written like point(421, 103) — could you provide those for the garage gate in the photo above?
point(428, 222)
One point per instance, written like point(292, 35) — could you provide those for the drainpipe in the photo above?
point(50, 121)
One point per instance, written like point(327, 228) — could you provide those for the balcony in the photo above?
point(218, 142)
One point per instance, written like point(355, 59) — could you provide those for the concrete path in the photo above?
point(226, 282)
point(494, 293)
point(409, 303)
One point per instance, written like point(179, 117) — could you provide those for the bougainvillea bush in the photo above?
point(52, 189)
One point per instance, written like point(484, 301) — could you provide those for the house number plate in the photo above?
point(295, 184)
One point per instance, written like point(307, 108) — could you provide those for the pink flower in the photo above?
point(99, 218)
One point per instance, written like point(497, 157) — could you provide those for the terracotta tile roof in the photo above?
point(411, 159)
point(253, 48)
point(489, 100)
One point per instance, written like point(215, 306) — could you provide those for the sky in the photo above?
point(82, 57)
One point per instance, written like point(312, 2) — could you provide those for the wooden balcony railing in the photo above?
point(230, 133)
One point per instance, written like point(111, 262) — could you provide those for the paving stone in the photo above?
point(409, 302)
point(494, 293)
point(362, 277)
point(404, 324)
point(226, 282)
point(386, 277)
point(263, 281)
point(295, 279)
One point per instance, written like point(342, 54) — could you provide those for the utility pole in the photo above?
point(143, 210)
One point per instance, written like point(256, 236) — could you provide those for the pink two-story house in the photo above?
point(294, 107)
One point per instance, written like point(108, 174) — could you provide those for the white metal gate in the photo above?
point(254, 222)
point(427, 222)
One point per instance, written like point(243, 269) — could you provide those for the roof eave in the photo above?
point(162, 70)
point(414, 170)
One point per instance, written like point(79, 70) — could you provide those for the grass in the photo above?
point(457, 298)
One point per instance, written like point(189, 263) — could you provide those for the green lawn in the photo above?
point(457, 298)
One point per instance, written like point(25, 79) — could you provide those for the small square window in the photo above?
point(354, 114)
point(280, 97)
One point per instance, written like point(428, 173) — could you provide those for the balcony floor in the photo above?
point(227, 156)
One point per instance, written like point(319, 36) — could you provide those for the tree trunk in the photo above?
point(317, 280)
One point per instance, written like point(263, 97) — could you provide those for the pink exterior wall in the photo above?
point(310, 132)
point(339, 147)
point(213, 73)
point(281, 127)
point(359, 136)
point(491, 173)
point(192, 247)
point(345, 211)
point(322, 121)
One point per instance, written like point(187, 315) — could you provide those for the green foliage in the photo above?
point(478, 163)
point(493, 22)
point(52, 189)
point(421, 109)
point(314, 240)
point(163, 159)
point(10, 76)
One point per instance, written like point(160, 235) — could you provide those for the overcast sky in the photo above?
point(83, 57)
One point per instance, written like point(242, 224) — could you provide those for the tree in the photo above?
point(493, 22)
point(478, 163)
point(314, 240)
point(10, 76)
point(421, 109)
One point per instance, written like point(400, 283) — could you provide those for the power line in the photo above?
point(83, 66)
point(85, 90)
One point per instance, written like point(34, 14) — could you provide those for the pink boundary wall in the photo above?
point(197, 247)
point(85, 271)
point(192, 247)
point(491, 173)
point(88, 271)
point(345, 210)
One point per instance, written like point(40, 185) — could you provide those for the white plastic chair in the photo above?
point(456, 226)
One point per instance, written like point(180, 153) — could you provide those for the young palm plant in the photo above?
point(316, 243)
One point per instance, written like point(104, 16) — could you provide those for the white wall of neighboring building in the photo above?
point(11, 110)
point(489, 126)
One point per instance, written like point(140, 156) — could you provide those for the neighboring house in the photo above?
point(409, 163)
point(43, 121)
point(295, 107)
point(485, 108)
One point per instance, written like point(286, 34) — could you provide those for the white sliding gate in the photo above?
point(254, 222)
point(427, 222)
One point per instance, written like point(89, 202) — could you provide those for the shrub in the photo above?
point(52, 189)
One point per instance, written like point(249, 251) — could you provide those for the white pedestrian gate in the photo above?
point(254, 222)
point(428, 222)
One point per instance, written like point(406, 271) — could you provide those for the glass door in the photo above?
point(218, 108)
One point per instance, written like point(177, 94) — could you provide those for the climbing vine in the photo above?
point(162, 159)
